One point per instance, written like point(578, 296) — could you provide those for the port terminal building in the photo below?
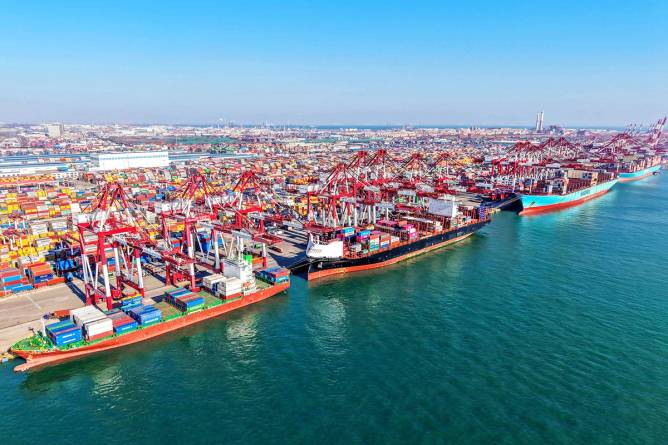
point(129, 159)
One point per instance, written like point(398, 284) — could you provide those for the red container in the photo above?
point(231, 297)
point(121, 321)
point(100, 335)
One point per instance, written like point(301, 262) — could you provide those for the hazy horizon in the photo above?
point(343, 64)
point(320, 126)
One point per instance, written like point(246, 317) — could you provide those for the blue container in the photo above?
point(130, 307)
point(55, 327)
point(187, 304)
point(66, 336)
point(128, 303)
point(10, 278)
point(178, 292)
point(18, 287)
point(130, 326)
point(148, 319)
point(42, 278)
point(145, 314)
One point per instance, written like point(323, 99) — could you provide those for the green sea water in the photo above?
point(538, 330)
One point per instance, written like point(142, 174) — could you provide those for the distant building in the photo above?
point(58, 170)
point(129, 159)
point(55, 130)
point(539, 122)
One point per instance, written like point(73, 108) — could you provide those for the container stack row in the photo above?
point(184, 300)
point(122, 322)
point(274, 275)
point(94, 323)
point(145, 315)
point(12, 281)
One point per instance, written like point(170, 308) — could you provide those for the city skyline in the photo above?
point(436, 64)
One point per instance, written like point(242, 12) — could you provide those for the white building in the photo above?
point(55, 130)
point(57, 169)
point(129, 159)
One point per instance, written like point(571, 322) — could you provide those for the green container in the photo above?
point(248, 259)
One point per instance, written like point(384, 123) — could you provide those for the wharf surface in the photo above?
point(21, 314)
point(293, 248)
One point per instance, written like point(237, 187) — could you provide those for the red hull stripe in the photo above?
point(36, 359)
point(553, 207)
point(340, 270)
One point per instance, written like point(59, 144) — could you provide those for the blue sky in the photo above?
point(338, 62)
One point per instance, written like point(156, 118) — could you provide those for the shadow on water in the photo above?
point(39, 380)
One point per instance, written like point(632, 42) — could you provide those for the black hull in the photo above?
point(321, 267)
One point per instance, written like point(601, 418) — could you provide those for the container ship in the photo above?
point(573, 187)
point(407, 233)
point(90, 330)
point(639, 168)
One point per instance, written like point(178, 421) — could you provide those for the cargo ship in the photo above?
point(573, 188)
point(332, 251)
point(89, 330)
point(640, 169)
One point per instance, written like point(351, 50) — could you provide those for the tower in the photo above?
point(539, 122)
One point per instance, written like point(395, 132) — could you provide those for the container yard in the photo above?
point(369, 222)
point(120, 236)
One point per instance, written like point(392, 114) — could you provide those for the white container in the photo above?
point(229, 286)
point(98, 327)
point(210, 280)
point(237, 269)
point(85, 315)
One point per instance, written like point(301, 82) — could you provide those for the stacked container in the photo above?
point(185, 300)
point(237, 269)
point(374, 242)
point(122, 322)
point(86, 314)
point(211, 282)
point(94, 322)
point(11, 281)
point(275, 275)
point(40, 274)
point(384, 241)
point(348, 231)
point(63, 333)
point(229, 287)
point(145, 315)
point(128, 303)
point(97, 329)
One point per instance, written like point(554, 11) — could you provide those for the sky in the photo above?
point(335, 62)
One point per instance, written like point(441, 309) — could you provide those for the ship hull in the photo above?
point(533, 204)
point(640, 174)
point(36, 359)
point(323, 268)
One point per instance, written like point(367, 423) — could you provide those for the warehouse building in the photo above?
point(129, 159)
